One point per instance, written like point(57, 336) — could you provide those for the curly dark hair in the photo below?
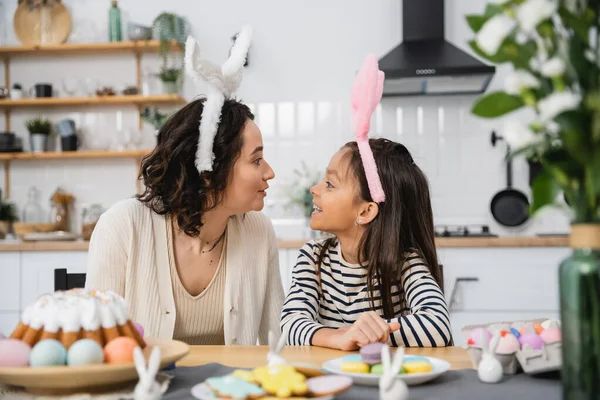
point(173, 185)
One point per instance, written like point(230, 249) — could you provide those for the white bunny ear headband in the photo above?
point(222, 81)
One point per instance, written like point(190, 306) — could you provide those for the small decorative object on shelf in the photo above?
point(16, 92)
point(169, 28)
point(59, 213)
point(89, 218)
point(39, 130)
point(554, 52)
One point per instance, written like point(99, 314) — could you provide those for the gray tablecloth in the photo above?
point(453, 385)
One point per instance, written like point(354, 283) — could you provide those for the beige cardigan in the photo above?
point(128, 253)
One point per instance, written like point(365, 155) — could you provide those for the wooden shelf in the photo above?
point(73, 155)
point(145, 46)
point(92, 101)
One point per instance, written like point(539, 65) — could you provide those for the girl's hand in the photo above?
point(368, 328)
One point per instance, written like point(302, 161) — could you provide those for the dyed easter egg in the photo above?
point(508, 343)
point(85, 352)
point(47, 353)
point(15, 353)
point(531, 339)
point(139, 328)
point(475, 336)
point(119, 350)
point(551, 335)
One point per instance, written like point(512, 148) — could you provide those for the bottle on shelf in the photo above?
point(114, 23)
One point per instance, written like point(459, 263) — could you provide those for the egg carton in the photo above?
point(530, 361)
point(548, 359)
point(509, 362)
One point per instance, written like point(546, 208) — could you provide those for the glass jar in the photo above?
point(32, 212)
point(89, 218)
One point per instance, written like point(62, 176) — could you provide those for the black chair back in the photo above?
point(65, 281)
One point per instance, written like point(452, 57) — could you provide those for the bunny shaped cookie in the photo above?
point(147, 388)
point(273, 357)
point(390, 387)
point(490, 369)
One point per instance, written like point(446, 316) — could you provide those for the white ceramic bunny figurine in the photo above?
point(490, 369)
point(273, 357)
point(147, 388)
point(390, 387)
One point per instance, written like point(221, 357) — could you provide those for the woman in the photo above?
point(192, 255)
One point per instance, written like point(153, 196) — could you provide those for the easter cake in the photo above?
point(67, 316)
point(76, 327)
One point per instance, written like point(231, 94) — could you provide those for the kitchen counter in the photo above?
point(526, 241)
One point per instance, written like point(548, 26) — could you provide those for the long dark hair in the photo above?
point(173, 185)
point(403, 225)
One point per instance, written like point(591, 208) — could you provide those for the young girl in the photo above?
point(378, 279)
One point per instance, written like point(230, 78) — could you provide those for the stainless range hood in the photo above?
point(425, 63)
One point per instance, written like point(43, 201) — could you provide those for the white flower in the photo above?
point(532, 12)
point(553, 67)
point(518, 135)
point(493, 32)
point(519, 80)
point(557, 103)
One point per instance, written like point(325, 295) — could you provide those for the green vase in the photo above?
point(580, 314)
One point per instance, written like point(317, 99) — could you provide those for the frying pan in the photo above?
point(509, 207)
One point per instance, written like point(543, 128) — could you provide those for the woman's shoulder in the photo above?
point(126, 212)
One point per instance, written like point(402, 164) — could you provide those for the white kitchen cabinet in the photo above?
point(8, 322)
point(37, 271)
point(287, 260)
point(10, 267)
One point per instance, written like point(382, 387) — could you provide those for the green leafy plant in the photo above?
point(555, 76)
point(38, 125)
point(299, 191)
point(154, 117)
point(8, 211)
point(170, 74)
point(170, 28)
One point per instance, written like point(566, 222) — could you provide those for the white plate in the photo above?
point(44, 236)
point(202, 391)
point(438, 368)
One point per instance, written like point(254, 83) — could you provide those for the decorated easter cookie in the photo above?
point(415, 367)
point(230, 386)
point(355, 367)
point(244, 374)
point(378, 369)
point(352, 358)
point(281, 380)
point(329, 385)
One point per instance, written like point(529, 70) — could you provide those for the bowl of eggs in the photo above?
point(533, 347)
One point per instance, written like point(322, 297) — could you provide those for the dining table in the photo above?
point(255, 356)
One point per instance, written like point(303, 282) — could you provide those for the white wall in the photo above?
point(302, 62)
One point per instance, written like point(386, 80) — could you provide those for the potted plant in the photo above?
point(170, 78)
point(552, 47)
point(39, 130)
point(299, 195)
point(16, 92)
point(8, 215)
point(170, 30)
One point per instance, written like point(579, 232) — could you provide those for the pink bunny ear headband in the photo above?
point(221, 82)
point(366, 94)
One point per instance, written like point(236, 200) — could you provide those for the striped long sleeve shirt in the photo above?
point(419, 304)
